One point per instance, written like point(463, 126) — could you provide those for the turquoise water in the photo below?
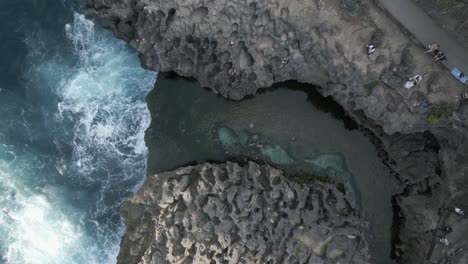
point(301, 133)
point(72, 115)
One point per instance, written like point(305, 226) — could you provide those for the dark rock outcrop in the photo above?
point(319, 42)
point(237, 47)
point(229, 213)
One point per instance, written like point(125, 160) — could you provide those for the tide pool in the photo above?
point(291, 127)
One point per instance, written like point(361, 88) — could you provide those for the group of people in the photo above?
point(371, 48)
point(438, 55)
point(443, 240)
point(435, 49)
point(413, 81)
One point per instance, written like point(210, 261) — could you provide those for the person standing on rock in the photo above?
point(409, 84)
point(417, 78)
point(370, 48)
point(413, 81)
point(444, 241)
point(433, 48)
point(232, 72)
point(439, 56)
point(458, 211)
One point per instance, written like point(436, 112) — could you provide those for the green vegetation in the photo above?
point(459, 10)
point(440, 112)
point(372, 84)
point(306, 177)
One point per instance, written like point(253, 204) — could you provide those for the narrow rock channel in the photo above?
point(191, 125)
point(238, 47)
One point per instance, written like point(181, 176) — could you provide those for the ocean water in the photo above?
point(292, 128)
point(72, 122)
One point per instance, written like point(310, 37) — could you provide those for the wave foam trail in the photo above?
point(34, 227)
point(106, 99)
point(62, 206)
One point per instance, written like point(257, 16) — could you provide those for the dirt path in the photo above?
point(416, 21)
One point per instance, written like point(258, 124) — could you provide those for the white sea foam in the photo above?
point(32, 221)
point(64, 209)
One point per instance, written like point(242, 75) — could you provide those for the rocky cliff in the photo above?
point(229, 213)
point(237, 47)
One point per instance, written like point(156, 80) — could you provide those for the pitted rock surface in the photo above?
point(319, 42)
point(229, 213)
point(239, 46)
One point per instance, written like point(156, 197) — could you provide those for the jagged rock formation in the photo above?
point(319, 42)
point(229, 213)
point(237, 47)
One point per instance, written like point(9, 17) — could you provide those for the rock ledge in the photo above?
point(229, 213)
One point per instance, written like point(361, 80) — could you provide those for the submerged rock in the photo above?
point(276, 154)
point(332, 165)
point(228, 137)
point(239, 214)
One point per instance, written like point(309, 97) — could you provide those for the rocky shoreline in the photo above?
point(230, 213)
point(238, 47)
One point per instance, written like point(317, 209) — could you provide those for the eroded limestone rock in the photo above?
point(239, 214)
point(324, 44)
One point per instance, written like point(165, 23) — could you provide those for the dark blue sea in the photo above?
point(73, 118)
point(72, 122)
